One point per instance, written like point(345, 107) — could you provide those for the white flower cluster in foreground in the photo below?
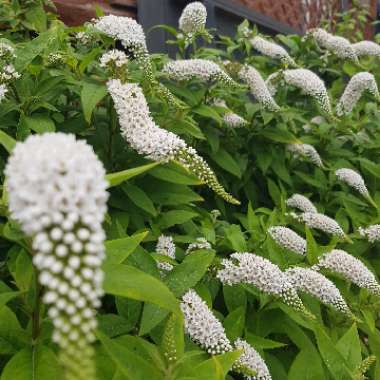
point(258, 87)
point(372, 233)
point(113, 58)
point(203, 69)
point(352, 179)
point(57, 192)
point(202, 326)
point(148, 139)
point(166, 247)
point(272, 50)
point(310, 84)
point(337, 45)
point(309, 281)
point(355, 88)
point(301, 203)
point(322, 222)
point(287, 238)
point(305, 150)
point(252, 360)
point(231, 119)
point(363, 48)
point(193, 18)
point(248, 268)
point(348, 266)
point(200, 243)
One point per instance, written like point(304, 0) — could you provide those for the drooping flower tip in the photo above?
point(309, 281)
point(352, 179)
point(288, 239)
point(350, 268)
point(354, 90)
point(251, 360)
point(363, 48)
point(258, 87)
point(202, 326)
point(371, 233)
point(322, 222)
point(306, 150)
point(193, 18)
point(302, 203)
point(230, 119)
point(272, 50)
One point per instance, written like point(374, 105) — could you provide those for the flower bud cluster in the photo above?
point(166, 247)
point(363, 48)
point(288, 239)
point(230, 119)
point(352, 179)
point(200, 243)
point(306, 150)
point(114, 58)
point(372, 233)
point(301, 203)
point(57, 192)
point(322, 222)
point(193, 18)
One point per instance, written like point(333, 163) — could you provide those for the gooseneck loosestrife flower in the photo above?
point(200, 243)
point(336, 45)
point(193, 18)
point(230, 119)
point(202, 326)
point(7, 71)
point(305, 150)
point(354, 90)
point(203, 69)
point(364, 48)
point(166, 247)
point(142, 133)
point(352, 179)
point(248, 268)
point(311, 282)
point(57, 192)
point(349, 267)
point(250, 359)
point(301, 203)
point(323, 223)
point(371, 233)
point(272, 50)
point(287, 238)
point(258, 87)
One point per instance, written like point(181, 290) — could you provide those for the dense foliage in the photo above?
point(241, 237)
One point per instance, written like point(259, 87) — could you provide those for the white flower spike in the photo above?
point(352, 179)
point(322, 222)
point(202, 326)
point(350, 268)
point(230, 119)
point(311, 282)
point(147, 138)
point(193, 18)
point(364, 48)
point(371, 233)
point(354, 90)
point(57, 192)
point(306, 150)
point(301, 203)
point(272, 50)
point(166, 247)
point(288, 239)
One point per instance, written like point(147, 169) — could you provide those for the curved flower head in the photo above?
point(363, 48)
point(306, 150)
point(272, 50)
point(147, 138)
point(287, 238)
point(230, 119)
point(203, 69)
point(337, 45)
point(200, 243)
point(355, 88)
point(371, 233)
point(248, 268)
point(57, 193)
point(202, 326)
point(258, 87)
point(193, 18)
point(310, 84)
point(352, 269)
point(301, 203)
point(250, 359)
point(309, 281)
point(352, 179)
point(322, 222)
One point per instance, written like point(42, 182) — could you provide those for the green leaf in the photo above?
point(131, 365)
point(127, 281)
point(139, 198)
point(306, 366)
point(261, 343)
point(7, 141)
point(173, 342)
point(236, 238)
point(234, 323)
point(176, 174)
point(279, 135)
point(116, 178)
point(36, 16)
point(28, 364)
point(208, 111)
point(171, 218)
point(91, 95)
point(312, 247)
point(118, 250)
point(12, 336)
point(227, 162)
point(349, 346)
point(38, 123)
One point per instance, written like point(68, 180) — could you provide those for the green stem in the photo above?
point(36, 312)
